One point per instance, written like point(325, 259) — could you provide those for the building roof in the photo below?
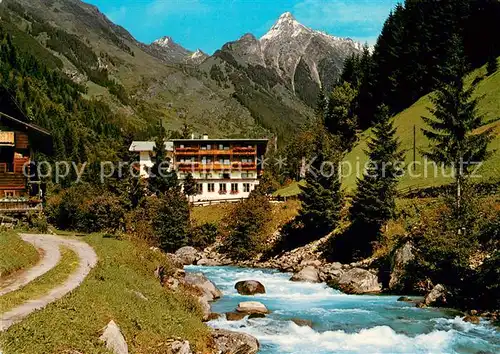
point(149, 146)
point(219, 140)
point(25, 124)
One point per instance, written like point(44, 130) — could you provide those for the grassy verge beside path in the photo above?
point(15, 254)
point(111, 292)
point(42, 285)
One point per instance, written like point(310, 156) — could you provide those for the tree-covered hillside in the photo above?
point(411, 54)
point(488, 90)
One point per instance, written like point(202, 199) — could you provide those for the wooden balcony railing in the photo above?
point(186, 150)
point(200, 152)
point(244, 165)
point(196, 166)
point(244, 150)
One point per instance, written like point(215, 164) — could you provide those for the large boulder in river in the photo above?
point(200, 281)
point(249, 287)
point(250, 307)
point(309, 274)
point(401, 258)
point(302, 323)
point(187, 255)
point(359, 281)
point(235, 316)
point(437, 296)
point(228, 342)
point(207, 262)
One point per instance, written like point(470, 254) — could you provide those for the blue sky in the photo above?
point(208, 24)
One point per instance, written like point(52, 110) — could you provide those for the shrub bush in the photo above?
point(37, 221)
point(169, 215)
point(203, 235)
point(101, 213)
point(246, 228)
point(87, 209)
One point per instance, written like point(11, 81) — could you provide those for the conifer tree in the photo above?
point(189, 185)
point(451, 127)
point(340, 118)
point(374, 202)
point(492, 65)
point(321, 196)
point(170, 213)
point(161, 177)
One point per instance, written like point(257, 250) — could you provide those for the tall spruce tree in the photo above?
point(340, 118)
point(161, 177)
point(189, 185)
point(451, 127)
point(374, 202)
point(321, 196)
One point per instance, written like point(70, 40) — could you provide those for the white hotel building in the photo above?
point(224, 169)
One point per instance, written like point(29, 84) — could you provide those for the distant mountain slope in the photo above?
point(250, 87)
point(278, 77)
point(488, 88)
point(82, 42)
point(309, 60)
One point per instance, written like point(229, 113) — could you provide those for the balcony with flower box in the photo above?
point(244, 165)
point(189, 150)
point(240, 150)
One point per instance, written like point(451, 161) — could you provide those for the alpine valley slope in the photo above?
point(249, 87)
point(488, 92)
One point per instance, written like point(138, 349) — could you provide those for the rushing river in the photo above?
point(342, 323)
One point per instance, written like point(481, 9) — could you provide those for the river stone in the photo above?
point(205, 308)
point(228, 342)
point(114, 339)
point(402, 257)
point(437, 296)
point(256, 315)
point(472, 319)
point(250, 287)
point(200, 281)
point(213, 316)
point(207, 262)
point(302, 323)
point(187, 255)
point(235, 316)
point(359, 281)
point(249, 307)
point(405, 299)
point(308, 274)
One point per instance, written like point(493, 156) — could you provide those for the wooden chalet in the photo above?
point(20, 189)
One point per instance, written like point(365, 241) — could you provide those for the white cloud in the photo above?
point(366, 14)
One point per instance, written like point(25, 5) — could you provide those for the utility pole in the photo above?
point(414, 147)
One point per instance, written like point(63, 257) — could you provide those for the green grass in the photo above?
point(489, 106)
point(291, 189)
point(210, 213)
point(75, 322)
point(15, 253)
point(280, 213)
point(42, 285)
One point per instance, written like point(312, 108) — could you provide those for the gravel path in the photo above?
point(88, 259)
point(51, 256)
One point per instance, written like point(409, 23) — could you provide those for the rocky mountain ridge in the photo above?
point(250, 87)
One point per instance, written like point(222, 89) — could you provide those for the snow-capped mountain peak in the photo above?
point(198, 53)
point(296, 51)
point(286, 25)
point(164, 41)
